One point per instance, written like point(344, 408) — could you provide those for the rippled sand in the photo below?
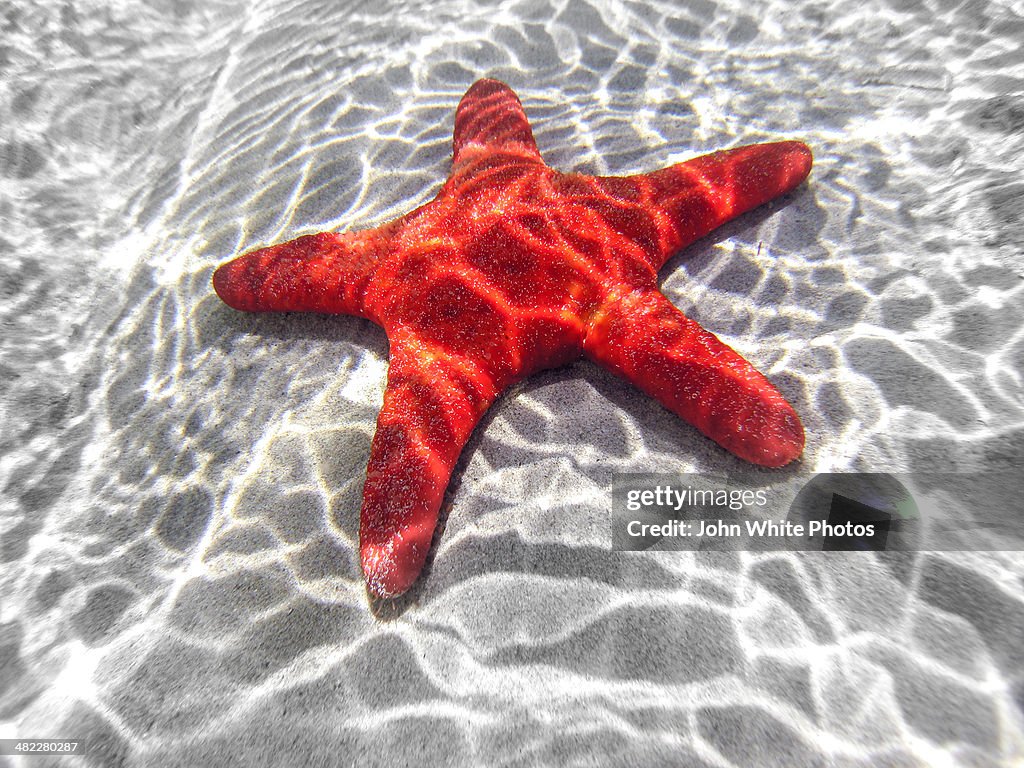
point(181, 482)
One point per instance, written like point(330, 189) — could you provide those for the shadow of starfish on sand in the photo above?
point(513, 268)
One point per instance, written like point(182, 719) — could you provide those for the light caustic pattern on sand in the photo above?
point(514, 268)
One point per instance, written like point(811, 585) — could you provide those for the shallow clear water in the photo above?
point(181, 483)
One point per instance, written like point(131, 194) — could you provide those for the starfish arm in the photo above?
point(675, 206)
point(325, 272)
point(489, 119)
point(648, 341)
point(431, 405)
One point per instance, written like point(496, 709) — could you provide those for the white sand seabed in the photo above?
point(181, 482)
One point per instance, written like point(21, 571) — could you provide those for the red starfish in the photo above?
point(513, 268)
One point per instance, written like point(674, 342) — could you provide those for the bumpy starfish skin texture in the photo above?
point(513, 268)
